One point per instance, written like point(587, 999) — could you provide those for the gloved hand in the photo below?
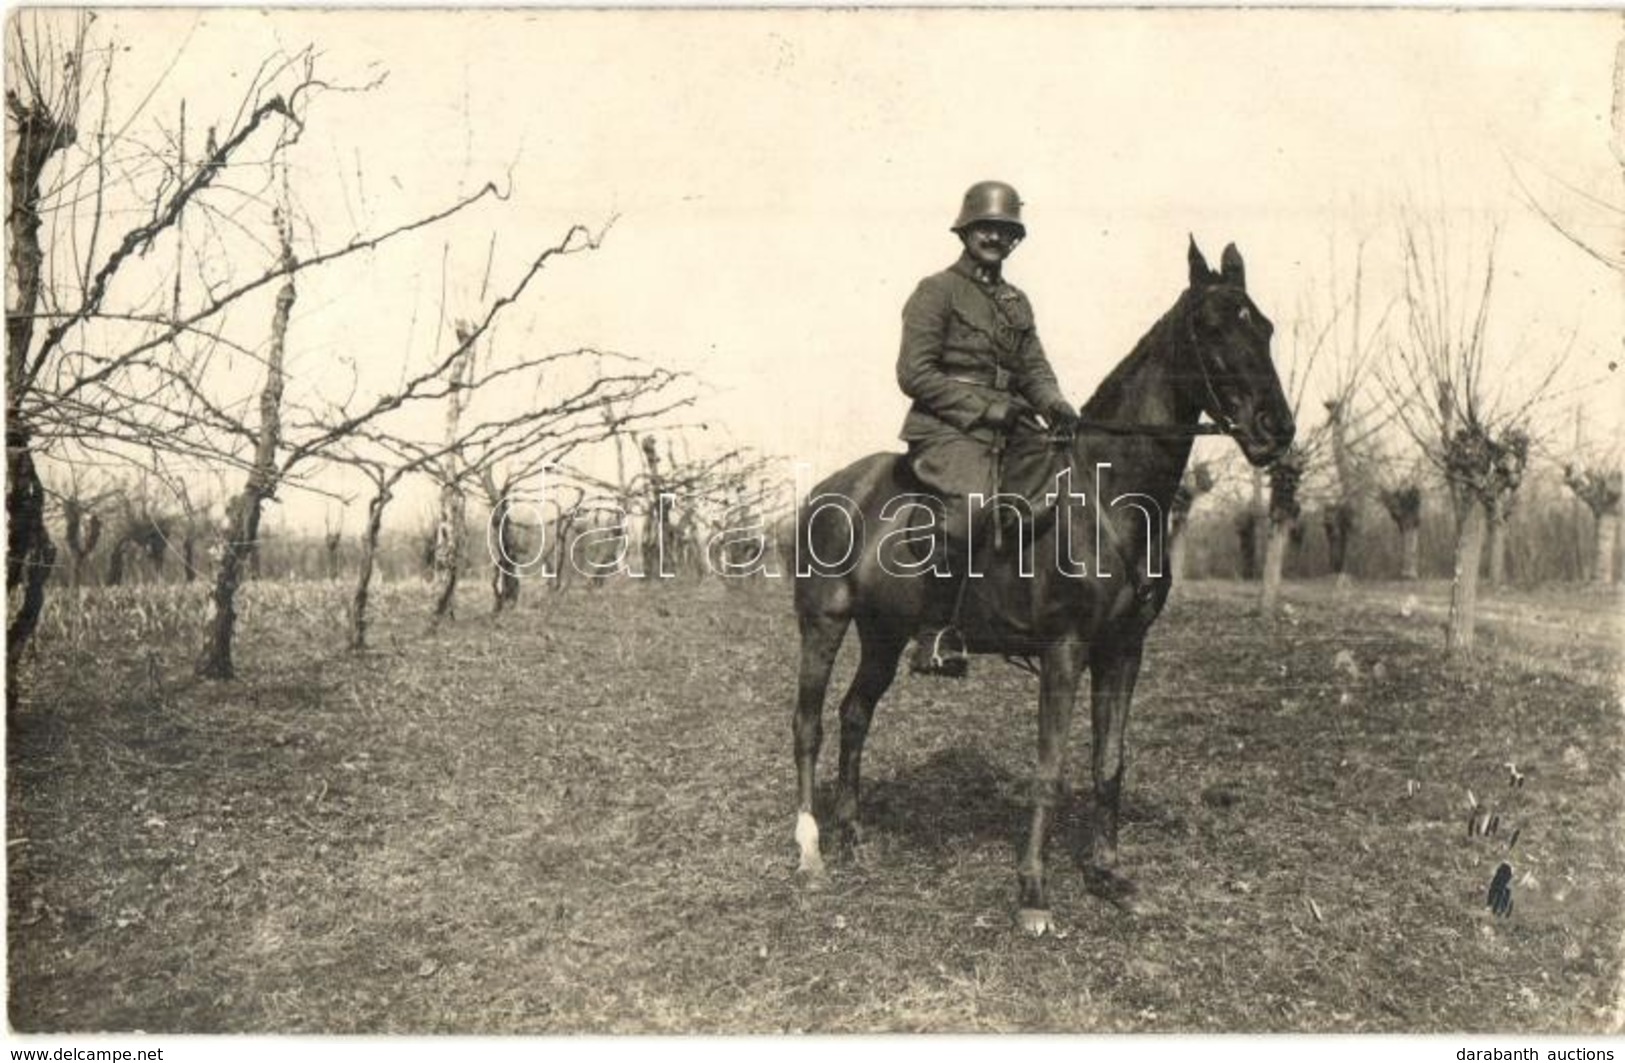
point(1061, 414)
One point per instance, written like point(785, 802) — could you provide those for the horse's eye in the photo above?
point(1245, 315)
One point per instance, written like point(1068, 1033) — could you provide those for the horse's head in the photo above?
point(1230, 341)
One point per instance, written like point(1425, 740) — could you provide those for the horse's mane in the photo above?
point(1109, 396)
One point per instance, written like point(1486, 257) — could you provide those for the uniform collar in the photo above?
point(987, 278)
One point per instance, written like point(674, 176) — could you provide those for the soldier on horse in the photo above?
point(972, 362)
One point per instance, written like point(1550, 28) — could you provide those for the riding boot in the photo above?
point(940, 647)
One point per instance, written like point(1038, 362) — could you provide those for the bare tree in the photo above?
point(44, 79)
point(1498, 514)
point(1334, 335)
point(1438, 386)
point(1252, 524)
point(523, 443)
point(1197, 482)
point(318, 434)
point(1598, 486)
point(1576, 214)
point(1581, 213)
point(512, 456)
point(82, 525)
point(243, 512)
point(1285, 477)
point(143, 533)
point(332, 543)
point(451, 524)
point(103, 367)
point(1403, 501)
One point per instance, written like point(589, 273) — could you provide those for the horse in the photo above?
point(1208, 354)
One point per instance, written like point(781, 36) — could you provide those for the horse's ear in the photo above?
point(1231, 268)
point(1200, 273)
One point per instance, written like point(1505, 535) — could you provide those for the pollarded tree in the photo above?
point(1198, 481)
point(1332, 345)
point(1437, 383)
point(1599, 488)
point(1353, 421)
point(83, 510)
point(1285, 478)
point(1403, 501)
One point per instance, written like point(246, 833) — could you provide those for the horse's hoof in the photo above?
point(1036, 921)
point(1108, 885)
point(812, 863)
point(811, 874)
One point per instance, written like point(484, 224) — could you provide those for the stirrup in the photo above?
point(944, 655)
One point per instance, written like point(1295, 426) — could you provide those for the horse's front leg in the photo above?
point(821, 636)
point(876, 668)
point(1114, 670)
point(1058, 688)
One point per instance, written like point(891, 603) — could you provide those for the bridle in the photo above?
point(1221, 425)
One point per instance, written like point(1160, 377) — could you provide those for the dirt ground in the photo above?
point(578, 818)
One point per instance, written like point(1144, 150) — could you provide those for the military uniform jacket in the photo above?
point(969, 351)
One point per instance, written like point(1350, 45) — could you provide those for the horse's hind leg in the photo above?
point(821, 635)
point(1115, 668)
point(877, 667)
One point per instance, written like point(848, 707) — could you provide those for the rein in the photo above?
point(1169, 431)
point(1152, 431)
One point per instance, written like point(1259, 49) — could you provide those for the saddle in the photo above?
point(1029, 463)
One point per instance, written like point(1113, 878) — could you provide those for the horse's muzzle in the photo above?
point(1266, 437)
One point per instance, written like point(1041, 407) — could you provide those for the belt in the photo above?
point(998, 380)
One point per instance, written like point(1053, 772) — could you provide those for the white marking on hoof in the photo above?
point(812, 862)
point(1036, 921)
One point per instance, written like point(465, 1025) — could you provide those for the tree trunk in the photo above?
point(36, 135)
point(1247, 545)
point(449, 529)
point(1275, 546)
point(243, 525)
point(1197, 482)
point(1410, 552)
point(83, 531)
point(239, 550)
point(1342, 515)
point(1339, 524)
point(1284, 476)
point(333, 542)
point(448, 552)
point(1261, 526)
point(1496, 547)
point(563, 568)
point(115, 562)
point(364, 566)
point(1607, 548)
point(1176, 552)
point(504, 574)
point(30, 554)
point(1470, 529)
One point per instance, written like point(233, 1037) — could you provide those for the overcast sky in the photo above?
point(782, 179)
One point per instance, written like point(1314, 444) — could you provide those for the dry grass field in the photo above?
point(577, 818)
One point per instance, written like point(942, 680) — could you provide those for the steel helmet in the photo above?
point(991, 201)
